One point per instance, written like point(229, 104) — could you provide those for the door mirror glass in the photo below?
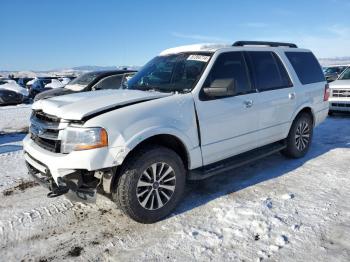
point(221, 88)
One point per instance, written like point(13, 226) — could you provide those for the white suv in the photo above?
point(190, 113)
point(339, 99)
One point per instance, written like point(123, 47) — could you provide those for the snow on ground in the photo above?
point(14, 118)
point(275, 209)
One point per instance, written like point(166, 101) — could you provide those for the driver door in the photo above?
point(228, 125)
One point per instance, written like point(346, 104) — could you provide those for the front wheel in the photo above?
point(151, 184)
point(299, 137)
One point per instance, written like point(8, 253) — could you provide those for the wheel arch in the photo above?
point(170, 141)
point(305, 109)
point(167, 140)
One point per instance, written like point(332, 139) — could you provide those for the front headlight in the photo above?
point(80, 138)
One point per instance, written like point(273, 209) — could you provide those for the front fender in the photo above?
point(157, 130)
point(194, 154)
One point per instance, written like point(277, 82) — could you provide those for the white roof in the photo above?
point(194, 48)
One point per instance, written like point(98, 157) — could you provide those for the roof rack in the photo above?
point(272, 44)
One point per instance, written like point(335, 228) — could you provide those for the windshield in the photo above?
point(345, 75)
point(82, 81)
point(171, 73)
point(337, 69)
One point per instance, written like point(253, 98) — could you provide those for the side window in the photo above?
point(110, 82)
point(306, 67)
point(268, 70)
point(228, 66)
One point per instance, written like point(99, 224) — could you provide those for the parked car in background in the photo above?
point(97, 80)
point(340, 93)
point(332, 72)
point(24, 80)
point(9, 97)
point(12, 93)
point(42, 84)
point(65, 80)
point(55, 83)
point(190, 113)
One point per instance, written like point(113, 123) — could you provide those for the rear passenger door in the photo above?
point(227, 124)
point(275, 101)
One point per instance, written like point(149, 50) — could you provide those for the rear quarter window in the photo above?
point(306, 67)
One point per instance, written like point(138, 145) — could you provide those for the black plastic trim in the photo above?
point(198, 126)
point(235, 161)
point(264, 43)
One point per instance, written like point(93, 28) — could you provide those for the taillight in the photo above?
point(326, 93)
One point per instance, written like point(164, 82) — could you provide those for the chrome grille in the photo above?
point(44, 130)
point(340, 105)
point(341, 93)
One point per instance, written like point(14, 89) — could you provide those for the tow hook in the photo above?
point(58, 191)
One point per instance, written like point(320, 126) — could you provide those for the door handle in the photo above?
point(248, 103)
point(291, 95)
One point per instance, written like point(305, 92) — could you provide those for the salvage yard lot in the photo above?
point(273, 209)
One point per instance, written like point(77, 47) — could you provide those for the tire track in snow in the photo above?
point(49, 215)
point(12, 154)
point(12, 169)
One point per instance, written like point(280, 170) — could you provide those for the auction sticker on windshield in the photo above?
point(202, 58)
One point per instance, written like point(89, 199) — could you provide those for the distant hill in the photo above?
point(335, 61)
point(78, 70)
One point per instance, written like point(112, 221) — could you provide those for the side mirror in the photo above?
point(221, 88)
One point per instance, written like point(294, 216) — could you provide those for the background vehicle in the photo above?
point(97, 80)
point(65, 80)
point(340, 93)
point(332, 72)
point(24, 80)
point(9, 97)
point(12, 93)
point(42, 84)
point(190, 113)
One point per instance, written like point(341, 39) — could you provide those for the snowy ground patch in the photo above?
point(275, 209)
point(14, 118)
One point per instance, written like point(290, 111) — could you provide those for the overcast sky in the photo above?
point(42, 35)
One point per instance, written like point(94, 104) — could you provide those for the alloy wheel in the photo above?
point(302, 135)
point(156, 186)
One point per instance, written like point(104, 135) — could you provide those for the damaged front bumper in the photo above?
point(79, 172)
point(80, 184)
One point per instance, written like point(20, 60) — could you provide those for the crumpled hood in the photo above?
point(80, 105)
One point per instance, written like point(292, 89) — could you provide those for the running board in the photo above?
point(235, 161)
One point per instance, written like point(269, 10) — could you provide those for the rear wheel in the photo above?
point(151, 184)
point(299, 137)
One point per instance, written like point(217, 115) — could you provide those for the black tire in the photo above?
point(299, 140)
point(330, 113)
point(135, 172)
